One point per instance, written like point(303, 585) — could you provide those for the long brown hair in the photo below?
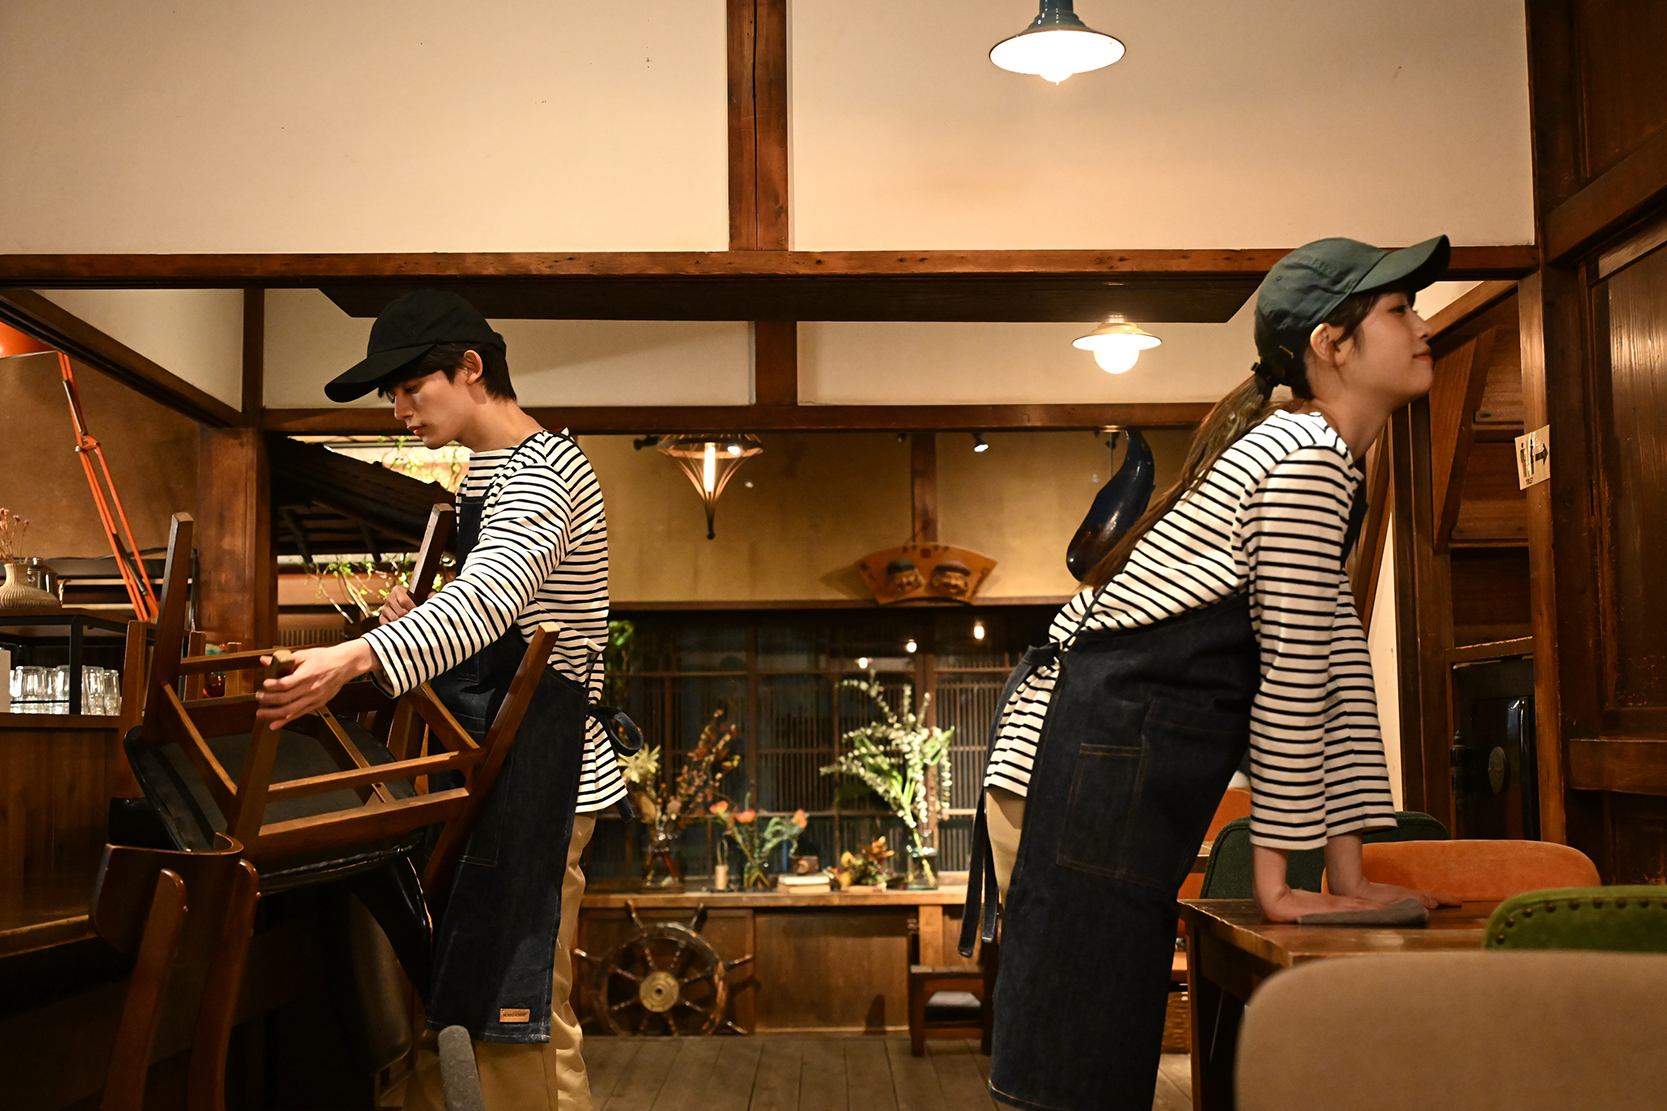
point(1249, 404)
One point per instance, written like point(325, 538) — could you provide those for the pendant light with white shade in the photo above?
point(1117, 344)
point(1056, 45)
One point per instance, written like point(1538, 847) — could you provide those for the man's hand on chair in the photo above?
point(319, 673)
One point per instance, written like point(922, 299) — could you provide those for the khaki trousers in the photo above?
point(1004, 818)
point(530, 1076)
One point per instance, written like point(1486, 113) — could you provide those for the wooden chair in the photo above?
point(1478, 870)
point(1483, 1030)
point(186, 918)
point(926, 981)
point(323, 798)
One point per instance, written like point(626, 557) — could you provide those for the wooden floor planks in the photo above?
point(810, 1074)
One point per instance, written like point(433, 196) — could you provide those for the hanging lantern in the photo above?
point(710, 462)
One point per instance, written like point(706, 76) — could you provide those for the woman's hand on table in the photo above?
point(319, 673)
point(397, 604)
point(1385, 893)
point(1293, 902)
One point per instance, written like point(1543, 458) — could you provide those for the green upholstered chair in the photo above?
point(1227, 875)
point(1623, 919)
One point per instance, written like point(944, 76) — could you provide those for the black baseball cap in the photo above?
point(410, 327)
point(1307, 285)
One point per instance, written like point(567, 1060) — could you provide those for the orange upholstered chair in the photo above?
point(1478, 870)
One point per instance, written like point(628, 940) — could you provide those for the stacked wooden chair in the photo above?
point(376, 791)
point(335, 793)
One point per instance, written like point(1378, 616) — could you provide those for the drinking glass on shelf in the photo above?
point(60, 689)
point(34, 689)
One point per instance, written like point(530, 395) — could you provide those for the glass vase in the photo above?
point(923, 868)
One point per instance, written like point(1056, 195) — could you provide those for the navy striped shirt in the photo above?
point(542, 555)
point(1270, 517)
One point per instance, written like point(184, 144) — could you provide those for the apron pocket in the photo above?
point(1097, 812)
point(1189, 755)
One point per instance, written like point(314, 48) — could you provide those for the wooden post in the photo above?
point(237, 582)
point(923, 486)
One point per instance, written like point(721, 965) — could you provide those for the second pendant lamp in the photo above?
point(1056, 45)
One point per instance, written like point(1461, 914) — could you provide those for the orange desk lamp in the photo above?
point(110, 512)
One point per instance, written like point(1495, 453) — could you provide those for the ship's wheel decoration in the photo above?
point(664, 980)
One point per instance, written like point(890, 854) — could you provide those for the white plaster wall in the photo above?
point(1386, 666)
point(1228, 124)
point(196, 334)
point(553, 362)
point(374, 125)
point(903, 363)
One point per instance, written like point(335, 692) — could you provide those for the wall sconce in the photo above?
point(1056, 45)
point(710, 462)
point(1116, 343)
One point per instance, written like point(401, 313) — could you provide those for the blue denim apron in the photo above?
point(494, 949)
point(1143, 732)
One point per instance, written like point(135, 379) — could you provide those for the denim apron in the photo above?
point(494, 949)
point(1143, 732)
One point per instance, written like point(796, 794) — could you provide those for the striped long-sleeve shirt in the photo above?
point(542, 555)
point(1270, 517)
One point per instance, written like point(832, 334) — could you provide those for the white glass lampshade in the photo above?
point(1116, 344)
point(1056, 45)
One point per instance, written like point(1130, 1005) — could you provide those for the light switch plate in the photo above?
point(1533, 457)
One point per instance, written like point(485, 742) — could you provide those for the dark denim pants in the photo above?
point(1143, 733)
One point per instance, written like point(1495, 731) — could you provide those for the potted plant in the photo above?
point(16, 593)
point(756, 839)
point(871, 870)
point(893, 757)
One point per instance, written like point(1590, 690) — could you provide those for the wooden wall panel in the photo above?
point(1624, 84)
point(1635, 476)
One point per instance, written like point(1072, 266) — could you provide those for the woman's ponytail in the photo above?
point(1244, 408)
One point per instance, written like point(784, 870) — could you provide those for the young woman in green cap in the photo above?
point(1223, 620)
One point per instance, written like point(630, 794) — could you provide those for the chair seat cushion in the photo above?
point(191, 816)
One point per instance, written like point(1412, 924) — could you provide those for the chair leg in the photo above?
point(989, 957)
point(124, 1082)
point(206, 1082)
point(917, 1017)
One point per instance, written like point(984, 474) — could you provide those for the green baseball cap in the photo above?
point(1306, 286)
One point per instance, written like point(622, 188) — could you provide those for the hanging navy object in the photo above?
point(1116, 507)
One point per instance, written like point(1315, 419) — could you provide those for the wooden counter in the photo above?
point(822, 961)
point(57, 774)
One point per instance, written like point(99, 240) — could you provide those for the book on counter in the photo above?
point(816, 881)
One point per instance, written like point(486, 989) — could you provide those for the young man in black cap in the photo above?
point(533, 547)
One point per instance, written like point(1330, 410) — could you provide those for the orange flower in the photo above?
point(745, 817)
point(720, 808)
point(801, 819)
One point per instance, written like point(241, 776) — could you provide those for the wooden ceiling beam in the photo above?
point(32, 313)
point(312, 270)
point(640, 420)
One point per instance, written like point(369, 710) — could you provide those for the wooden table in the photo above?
point(1231, 950)
point(823, 961)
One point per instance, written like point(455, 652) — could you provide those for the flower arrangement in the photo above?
point(12, 530)
point(871, 869)
point(756, 839)
point(691, 797)
point(892, 757)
